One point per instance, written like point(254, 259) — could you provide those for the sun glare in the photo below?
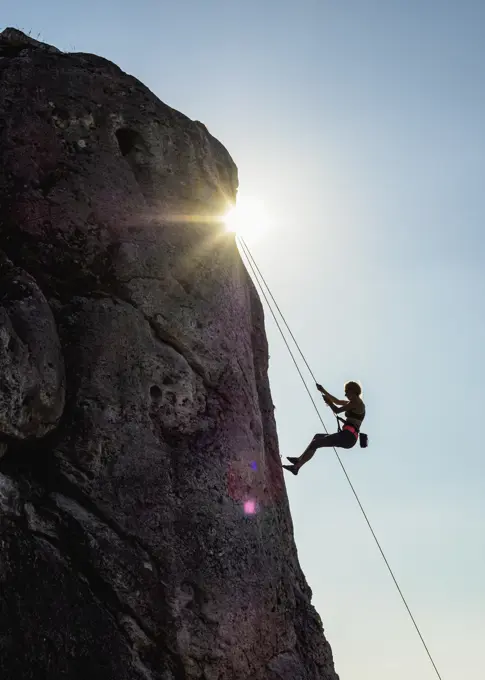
point(248, 218)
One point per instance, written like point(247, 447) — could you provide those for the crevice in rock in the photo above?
point(136, 152)
point(187, 287)
point(68, 489)
point(32, 465)
point(100, 588)
point(27, 463)
point(246, 382)
point(188, 290)
point(128, 140)
point(168, 339)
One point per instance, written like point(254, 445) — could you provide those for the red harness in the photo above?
point(352, 429)
point(348, 427)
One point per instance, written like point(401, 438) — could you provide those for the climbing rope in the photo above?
point(261, 285)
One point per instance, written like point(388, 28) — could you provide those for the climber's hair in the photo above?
point(354, 387)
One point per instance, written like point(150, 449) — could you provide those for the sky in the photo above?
point(360, 124)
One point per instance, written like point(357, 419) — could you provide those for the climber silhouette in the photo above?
point(346, 437)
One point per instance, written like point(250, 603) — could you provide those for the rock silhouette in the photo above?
point(145, 531)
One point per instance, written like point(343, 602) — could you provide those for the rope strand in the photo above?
point(248, 257)
point(243, 242)
point(254, 268)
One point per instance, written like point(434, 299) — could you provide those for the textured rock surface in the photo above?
point(135, 409)
point(31, 364)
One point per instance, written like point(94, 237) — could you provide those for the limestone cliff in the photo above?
point(144, 525)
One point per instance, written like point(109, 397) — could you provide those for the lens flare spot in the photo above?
point(250, 507)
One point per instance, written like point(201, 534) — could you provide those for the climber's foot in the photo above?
point(292, 460)
point(291, 468)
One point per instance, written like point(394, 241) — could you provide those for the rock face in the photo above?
point(144, 525)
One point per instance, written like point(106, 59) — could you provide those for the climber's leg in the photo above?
point(291, 468)
point(318, 441)
point(343, 439)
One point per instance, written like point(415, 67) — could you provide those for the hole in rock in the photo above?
point(61, 113)
point(155, 392)
point(127, 140)
point(168, 380)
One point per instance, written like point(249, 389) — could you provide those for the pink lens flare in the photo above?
point(250, 507)
point(254, 483)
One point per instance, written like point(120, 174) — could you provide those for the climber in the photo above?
point(346, 437)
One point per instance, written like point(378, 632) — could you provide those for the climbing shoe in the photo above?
point(292, 460)
point(291, 468)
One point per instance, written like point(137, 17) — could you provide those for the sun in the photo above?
point(248, 218)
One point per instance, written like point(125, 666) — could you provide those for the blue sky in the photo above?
point(361, 126)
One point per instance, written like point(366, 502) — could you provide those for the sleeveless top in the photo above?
point(355, 417)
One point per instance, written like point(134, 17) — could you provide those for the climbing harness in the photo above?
point(347, 426)
point(261, 285)
point(361, 436)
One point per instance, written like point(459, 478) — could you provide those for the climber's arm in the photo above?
point(346, 405)
point(326, 395)
point(342, 408)
point(340, 402)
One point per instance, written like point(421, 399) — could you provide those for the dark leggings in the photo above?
point(343, 439)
